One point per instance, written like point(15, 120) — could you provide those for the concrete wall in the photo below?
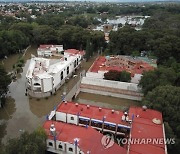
point(47, 84)
point(62, 144)
point(111, 84)
point(72, 121)
point(111, 88)
point(60, 116)
point(99, 75)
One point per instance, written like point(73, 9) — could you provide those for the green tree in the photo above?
point(28, 143)
point(118, 76)
point(4, 81)
point(166, 99)
point(88, 50)
point(158, 77)
point(125, 76)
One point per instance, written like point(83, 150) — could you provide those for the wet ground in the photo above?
point(22, 113)
point(105, 101)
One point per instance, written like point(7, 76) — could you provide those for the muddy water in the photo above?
point(105, 101)
point(22, 113)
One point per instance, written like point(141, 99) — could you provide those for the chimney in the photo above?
point(65, 102)
point(100, 109)
point(112, 111)
point(76, 104)
point(53, 130)
point(88, 106)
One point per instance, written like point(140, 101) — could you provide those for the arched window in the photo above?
point(67, 70)
point(74, 63)
point(37, 84)
point(50, 144)
point(60, 146)
point(62, 75)
point(77, 61)
point(71, 149)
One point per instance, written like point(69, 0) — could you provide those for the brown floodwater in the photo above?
point(22, 113)
point(105, 101)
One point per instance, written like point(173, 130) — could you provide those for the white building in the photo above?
point(45, 76)
point(49, 50)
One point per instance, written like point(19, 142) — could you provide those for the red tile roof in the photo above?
point(92, 112)
point(47, 46)
point(89, 138)
point(143, 127)
point(74, 51)
point(139, 67)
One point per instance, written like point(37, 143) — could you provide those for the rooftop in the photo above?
point(121, 63)
point(88, 138)
point(48, 46)
point(44, 68)
point(92, 112)
point(74, 51)
point(147, 124)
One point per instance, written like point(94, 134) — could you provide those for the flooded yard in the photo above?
point(23, 113)
point(105, 101)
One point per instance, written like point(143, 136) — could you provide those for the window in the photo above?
point(96, 124)
point(62, 75)
point(60, 146)
point(77, 61)
point(110, 127)
point(37, 84)
point(67, 70)
point(65, 59)
point(50, 144)
point(72, 118)
point(84, 121)
point(71, 149)
point(74, 63)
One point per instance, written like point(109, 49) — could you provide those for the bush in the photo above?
point(118, 76)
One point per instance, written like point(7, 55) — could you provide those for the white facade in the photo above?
point(84, 121)
point(60, 116)
point(60, 147)
point(47, 75)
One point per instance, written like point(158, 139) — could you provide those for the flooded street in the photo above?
point(23, 113)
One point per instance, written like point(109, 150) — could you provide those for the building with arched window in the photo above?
point(44, 76)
